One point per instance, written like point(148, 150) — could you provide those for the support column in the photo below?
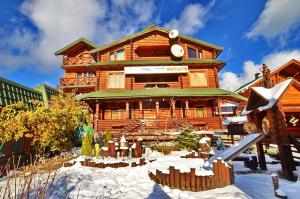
point(141, 109)
point(127, 110)
point(186, 108)
point(261, 156)
point(157, 108)
point(172, 107)
point(96, 116)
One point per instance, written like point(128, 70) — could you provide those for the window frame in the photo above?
point(198, 71)
point(114, 54)
point(115, 72)
point(192, 48)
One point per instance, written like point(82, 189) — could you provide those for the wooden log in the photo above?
point(203, 186)
point(222, 173)
point(111, 149)
point(172, 177)
point(177, 179)
point(231, 173)
point(193, 179)
point(182, 181)
point(216, 172)
point(188, 181)
point(198, 183)
point(226, 175)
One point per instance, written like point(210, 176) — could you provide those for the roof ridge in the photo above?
point(81, 39)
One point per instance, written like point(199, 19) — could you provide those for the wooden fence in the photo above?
point(189, 181)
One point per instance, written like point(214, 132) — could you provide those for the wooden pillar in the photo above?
point(96, 116)
point(216, 77)
point(157, 108)
point(261, 156)
point(181, 81)
point(173, 108)
point(127, 110)
point(141, 109)
point(186, 108)
point(286, 163)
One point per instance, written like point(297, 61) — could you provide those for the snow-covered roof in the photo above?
point(235, 119)
point(270, 95)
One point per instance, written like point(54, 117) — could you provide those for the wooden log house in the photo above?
point(138, 82)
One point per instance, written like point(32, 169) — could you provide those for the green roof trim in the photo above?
point(152, 62)
point(163, 92)
point(151, 28)
point(18, 85)
point(59, 52)
point(47, 92)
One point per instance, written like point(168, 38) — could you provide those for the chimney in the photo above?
point(256, 75)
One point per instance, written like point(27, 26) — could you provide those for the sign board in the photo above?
point(155, 69)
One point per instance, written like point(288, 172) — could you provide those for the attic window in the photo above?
point(120, 54)
point(192, 53)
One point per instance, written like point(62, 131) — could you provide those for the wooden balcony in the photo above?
point(77, 60)
point(80, 82)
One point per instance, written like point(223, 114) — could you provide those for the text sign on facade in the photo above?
point(155, 69)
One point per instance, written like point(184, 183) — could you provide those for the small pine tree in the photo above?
point(97, 150)
point(187, 139)
point(86, 148)
point(107, 137)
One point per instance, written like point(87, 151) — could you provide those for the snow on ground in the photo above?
point(258, 184)
point(128, 182)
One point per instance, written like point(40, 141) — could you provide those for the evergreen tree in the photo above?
point(86, 148)
point(107, 137)
point(187, 139)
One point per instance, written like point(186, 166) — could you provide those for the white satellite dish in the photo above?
point(173, 34)
point(177, 50)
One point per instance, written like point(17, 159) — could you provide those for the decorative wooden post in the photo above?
point(173, 107)
point(157, 108)
point(111, 149)
point(96, 116)
point(138, 148)
point(127, 110)
point(261, 156)
point(186, 108)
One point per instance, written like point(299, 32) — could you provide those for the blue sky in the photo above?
point(251, 32)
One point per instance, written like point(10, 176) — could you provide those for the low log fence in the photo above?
point(189, 181)
point(89, 163)
point(200, 154)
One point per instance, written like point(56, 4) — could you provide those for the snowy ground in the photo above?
point(133, 183)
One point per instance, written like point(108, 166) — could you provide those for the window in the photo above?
point(120, 55)
point(201, 112)
point(112, 56)
point(198, 79)
point(114, 114)
point(79, 75)
point(116, 80)
point(199, 54)
point(192, 53)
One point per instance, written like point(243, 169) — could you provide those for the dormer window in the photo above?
point(192, 53)
point(117, 55)
point(199, 54)
point(112, 56)
point(120, 54)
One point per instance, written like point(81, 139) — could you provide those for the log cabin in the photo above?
point(155, 79)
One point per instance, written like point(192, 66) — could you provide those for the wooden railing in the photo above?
point(156, 85)
point(77, 60)
point(81, 81)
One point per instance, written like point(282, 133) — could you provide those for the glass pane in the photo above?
point(192, 53)
point(120, 55)
point(199, 54)
point(111, 56)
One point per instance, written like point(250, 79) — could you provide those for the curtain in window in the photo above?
point(198, 79)
point(116, 80)
point(120, 55)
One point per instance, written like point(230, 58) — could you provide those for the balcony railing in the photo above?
point(81, 81)
point(78, 60)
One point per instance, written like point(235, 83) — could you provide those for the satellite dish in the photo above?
point(177, 50)
point(173, 34)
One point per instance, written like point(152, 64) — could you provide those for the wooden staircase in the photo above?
point(295, 147)
point(132, 127)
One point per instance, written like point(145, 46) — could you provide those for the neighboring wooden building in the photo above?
point(147, 80)
point(12, 92)
point(290, 69)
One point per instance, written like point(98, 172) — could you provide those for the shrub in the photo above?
point(97, 150)
point(107, 137)
point(187, 139)
point(87, 148)
point(165, 147)
point(272, 152)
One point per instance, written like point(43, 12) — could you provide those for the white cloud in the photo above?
point(60, 22)
point(232, 81)
point(192, 18)
point(277, 19)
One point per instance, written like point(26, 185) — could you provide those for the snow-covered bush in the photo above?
point(165, 147)
point(272, 152)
